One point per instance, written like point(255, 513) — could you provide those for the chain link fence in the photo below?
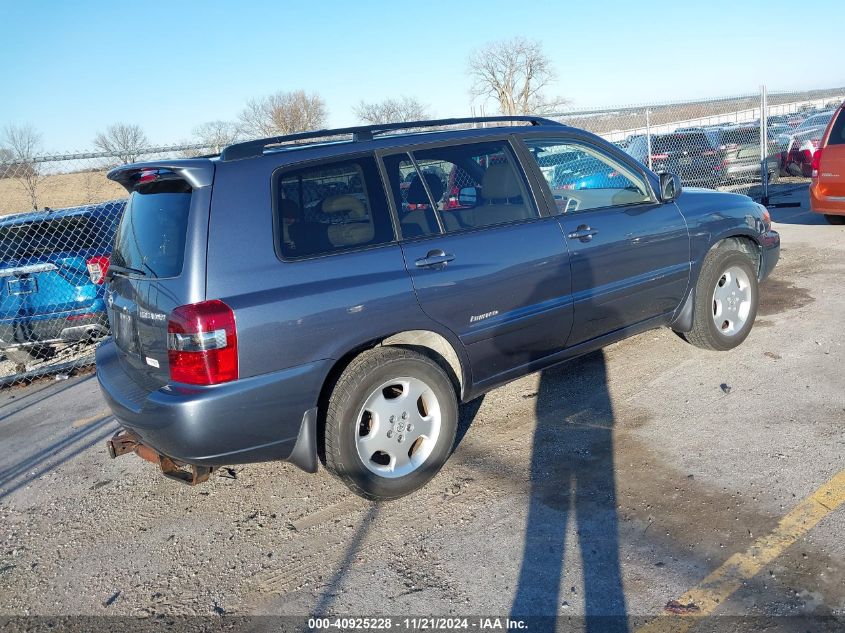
point(58, 213)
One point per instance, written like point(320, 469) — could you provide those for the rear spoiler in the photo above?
point(197, 172)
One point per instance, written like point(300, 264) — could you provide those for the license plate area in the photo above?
point(22, 286)
point(124, 333)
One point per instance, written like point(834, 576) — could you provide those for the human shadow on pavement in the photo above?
point(573, 483)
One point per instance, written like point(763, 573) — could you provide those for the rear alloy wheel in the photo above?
point(726, 297)
point(391, 422)
point(835, 219)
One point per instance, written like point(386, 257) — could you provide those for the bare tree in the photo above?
point(515, 73)
point(283, 113)
point(124, 140)
point(217, 134)
point(392, 111)
point(21, 144)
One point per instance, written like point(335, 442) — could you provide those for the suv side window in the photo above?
point(458, 187)
point(582, 177)
point(331, 207)
point(837, 130)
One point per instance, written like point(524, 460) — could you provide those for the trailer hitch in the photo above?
point(126, 441)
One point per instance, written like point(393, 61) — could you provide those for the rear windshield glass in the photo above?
point(151, 235)
point(65, 236)
point(742, 136)
point(680, 142)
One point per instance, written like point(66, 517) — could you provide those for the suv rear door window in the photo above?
point(458, 187)
point(331, 207)
point(151, 234)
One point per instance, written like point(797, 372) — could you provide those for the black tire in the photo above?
point(704, 333)
point(835, 219)
point(364, 375)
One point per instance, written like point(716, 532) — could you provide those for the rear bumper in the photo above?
point(770, 253)
point(32, 331)
point(262, 418)
point(828, 205)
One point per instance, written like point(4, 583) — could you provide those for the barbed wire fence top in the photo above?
point(59, 211)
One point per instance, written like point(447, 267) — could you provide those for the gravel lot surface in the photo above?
point(612, 484)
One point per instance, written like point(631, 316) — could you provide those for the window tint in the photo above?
point(331, 207)
point(467, 186)
point(837, 130)
point(151, 235)
point(582, 178)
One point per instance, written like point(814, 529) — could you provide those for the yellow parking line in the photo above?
point(94, 418)
point(722, 583)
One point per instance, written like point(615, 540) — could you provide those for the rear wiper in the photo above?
point(114, 269)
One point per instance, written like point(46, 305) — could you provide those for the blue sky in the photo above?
point(70, 69)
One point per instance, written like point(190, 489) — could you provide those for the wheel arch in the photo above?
point(449, 355)
point(744, 242)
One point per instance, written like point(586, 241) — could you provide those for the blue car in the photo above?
point(52, 274)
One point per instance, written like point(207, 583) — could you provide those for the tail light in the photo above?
point(97, 267)
point(202, 343)
point(815, 163)
point(659, 156)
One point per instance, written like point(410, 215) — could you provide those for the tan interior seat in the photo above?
point(502, 197)
point(358, 227)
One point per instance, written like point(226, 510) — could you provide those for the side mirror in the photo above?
point(670, 186)
point(468, 197)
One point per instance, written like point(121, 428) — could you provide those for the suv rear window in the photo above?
point(65, 235)
point(679, 142)
point(837, 130)
point(151, 235)
point(742, 136)
point(331, 207)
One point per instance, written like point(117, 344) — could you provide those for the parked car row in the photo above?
point(707, 156)
point(720, 154)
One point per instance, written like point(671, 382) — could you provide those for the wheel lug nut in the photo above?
point(392, 419)
point(404, 415)
point(410, 427)
point(400, 438)
point(390, 433)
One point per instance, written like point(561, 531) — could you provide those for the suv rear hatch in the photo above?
point(158, 261)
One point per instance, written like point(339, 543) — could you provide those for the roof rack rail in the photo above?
point(251, 149)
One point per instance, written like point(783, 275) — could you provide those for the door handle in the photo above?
point(436, 257)
point(583, 233)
